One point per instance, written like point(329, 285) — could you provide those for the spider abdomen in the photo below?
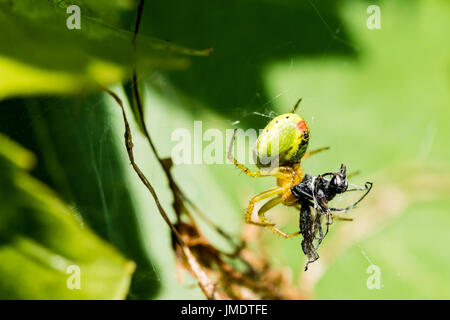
point(283, 141)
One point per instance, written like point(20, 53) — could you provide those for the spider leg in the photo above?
point(341, 218)
point(294, 109)
point(266, 207)
point(261, 196)
point(282, 172)
point(353, 174)
point(310, 153)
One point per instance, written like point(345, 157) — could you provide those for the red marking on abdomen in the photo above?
point(301, 125)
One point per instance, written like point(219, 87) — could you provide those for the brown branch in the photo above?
point(207, 286)
point(140, 10)
point(179, 197)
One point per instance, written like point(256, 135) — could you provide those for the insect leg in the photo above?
point(368, 187)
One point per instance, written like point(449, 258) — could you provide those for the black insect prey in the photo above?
point(314, 192)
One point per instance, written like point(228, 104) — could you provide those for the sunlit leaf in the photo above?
point(44, 246)
point(39, 54)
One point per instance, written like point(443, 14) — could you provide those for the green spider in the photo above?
point(283, 141)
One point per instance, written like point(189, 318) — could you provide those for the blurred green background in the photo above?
point(379, 98)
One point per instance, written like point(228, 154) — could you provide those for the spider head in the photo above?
point(338, 182)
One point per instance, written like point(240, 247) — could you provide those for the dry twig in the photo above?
point(206, 285)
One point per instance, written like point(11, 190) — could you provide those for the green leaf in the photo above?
point(412, 266)
point(380, 111)
point(42, 241)
point(39, 54)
